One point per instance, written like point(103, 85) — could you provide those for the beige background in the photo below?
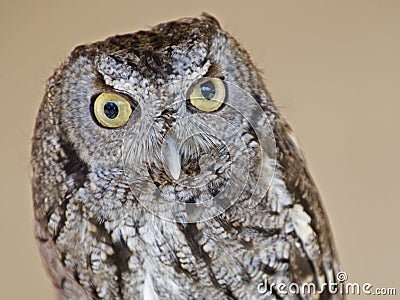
point(333, 67)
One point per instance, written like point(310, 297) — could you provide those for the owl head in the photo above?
point(179, 111)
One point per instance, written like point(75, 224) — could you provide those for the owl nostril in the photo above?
point(168, 118)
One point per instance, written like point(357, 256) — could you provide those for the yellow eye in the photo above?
point(208, 95)
point(111, 110)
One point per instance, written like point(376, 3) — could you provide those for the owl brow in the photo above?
point(214, 71)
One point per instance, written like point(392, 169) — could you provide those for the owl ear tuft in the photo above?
point(211, 19)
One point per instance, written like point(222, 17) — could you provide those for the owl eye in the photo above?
point(208, 96)
point(111, 110)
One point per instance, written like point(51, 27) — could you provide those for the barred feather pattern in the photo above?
point(99, 242)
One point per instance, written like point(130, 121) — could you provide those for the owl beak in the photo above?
point(172, 158)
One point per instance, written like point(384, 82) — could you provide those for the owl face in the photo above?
point(172, 108)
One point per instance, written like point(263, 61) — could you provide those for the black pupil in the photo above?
point(207, 90)
point(111, 110)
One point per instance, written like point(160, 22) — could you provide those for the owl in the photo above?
point(163, 170)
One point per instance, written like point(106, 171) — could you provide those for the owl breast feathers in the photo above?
point(163, 170)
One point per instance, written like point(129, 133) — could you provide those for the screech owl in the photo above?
point(163, 170)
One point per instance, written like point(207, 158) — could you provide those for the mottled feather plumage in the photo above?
point(99, 242)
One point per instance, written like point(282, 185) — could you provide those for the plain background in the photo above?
point(333, 68)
